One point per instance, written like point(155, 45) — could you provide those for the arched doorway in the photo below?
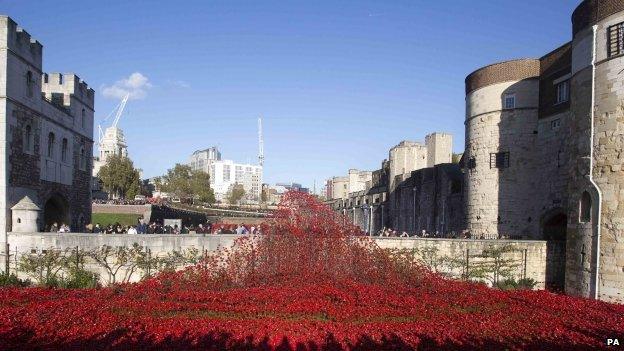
point(55, 210)
point(554, 226)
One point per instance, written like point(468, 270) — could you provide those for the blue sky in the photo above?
point(337, 82)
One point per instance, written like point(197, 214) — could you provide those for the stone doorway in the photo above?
point(56, 210)
point(554, 227)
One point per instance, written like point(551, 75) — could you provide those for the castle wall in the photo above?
point(500, 200)
point(26, 120)
point(539, 259)
point(595, 259)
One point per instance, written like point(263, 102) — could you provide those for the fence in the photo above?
point(106, 264)
point(486, 260)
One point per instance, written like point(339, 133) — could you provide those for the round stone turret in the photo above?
point(502, 103)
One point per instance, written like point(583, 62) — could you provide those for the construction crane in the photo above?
point(118, 110)
point(260, 143)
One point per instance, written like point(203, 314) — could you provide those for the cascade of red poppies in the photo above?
point(305, 242)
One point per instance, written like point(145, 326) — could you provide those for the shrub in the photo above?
point(527, 283)
point(13, 280)
point(81, 279)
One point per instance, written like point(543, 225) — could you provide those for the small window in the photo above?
point(560, 158)
point(51, 144)
point(585, 208)
point(563, 92)
point(64, 150)
point(83, 118)
point(555, 124)
point(472, 163)
point(30, 83)
point(615, 40)
point(499, 160)
point(28, 138)
point(510, 101)
point(83, 159)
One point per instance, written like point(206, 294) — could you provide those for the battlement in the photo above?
point(17, 40)
point(408, 143)
point(67, 84)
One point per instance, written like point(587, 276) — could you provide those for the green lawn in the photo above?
point(111, 218)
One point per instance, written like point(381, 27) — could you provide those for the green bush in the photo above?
point(81, 279)
point(13, 280)
point(510, 283)
point(507, 284)
point(526, 283)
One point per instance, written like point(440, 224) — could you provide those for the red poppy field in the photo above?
point(309, 284)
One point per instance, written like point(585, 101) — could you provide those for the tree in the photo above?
point(456, 158)
point(183, 182)
point(236, 192)
point(119, 177)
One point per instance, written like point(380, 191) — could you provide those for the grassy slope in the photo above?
point(111, 218)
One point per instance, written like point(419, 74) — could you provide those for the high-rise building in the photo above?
point(225, 173)
point(202, 159)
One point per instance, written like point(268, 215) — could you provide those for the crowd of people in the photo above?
point(120, 202)
point(157, 228)
point(464, 234)
point(389, 232)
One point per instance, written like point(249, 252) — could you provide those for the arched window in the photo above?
point(585, 208)
point(83, 118)
point(28, 138)
point(64, 150)
point(51, 144)
point(30, 83)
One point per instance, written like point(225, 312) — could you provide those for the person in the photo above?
point(176, 229)
point(132, 230)
point(54, 228)
point(159, 229)
point(240, 229)
point(200, 229)
point(141, 227)
point(252, 231)
point(89, 228)
point(184, 230)
point(404, 235)
point(63, 228)
point(109, 229)
point(97, 229)
point(208, 227)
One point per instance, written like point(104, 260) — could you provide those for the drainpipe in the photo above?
point(591, 163)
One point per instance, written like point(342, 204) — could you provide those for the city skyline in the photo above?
point(355, 76)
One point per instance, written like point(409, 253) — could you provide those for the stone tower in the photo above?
point(46, 135)
point(595, 244)
point(544, 154)
point(502, 102)
point(439, 148)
